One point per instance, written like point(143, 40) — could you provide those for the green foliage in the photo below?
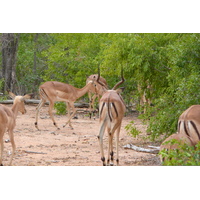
point(182, 89)
point(72, 58)
point(30, 63)
point(60, 108)
point(184, 155)
point(132, 130)
point(3, 96)
point(2, 83)
point(167, 62)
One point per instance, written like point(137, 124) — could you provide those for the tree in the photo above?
point(9, 56)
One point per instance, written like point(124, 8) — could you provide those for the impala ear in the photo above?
point(120, 90)
point(12, 95)
point(28, 96)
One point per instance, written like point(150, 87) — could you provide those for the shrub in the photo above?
point(60, 108)
point(184, 155)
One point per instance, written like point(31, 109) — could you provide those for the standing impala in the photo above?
point(111, 112)
point(53, 91)
point(8, 120)
point(97, 91)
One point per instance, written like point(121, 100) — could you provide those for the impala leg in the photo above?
point(1, 144)
point(90, 104)
point(51, 104)
point(72, 115)
point(109, 145)
point(10, 132)
point(100, 138)
point(116, 127)
point(111, 149)
point(117, 144)
point(68, 114)
point(93, 100)
point(37, 112)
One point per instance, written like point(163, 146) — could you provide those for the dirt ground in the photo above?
point(66, 147)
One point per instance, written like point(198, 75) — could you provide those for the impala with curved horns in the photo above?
point(111, 112)
point(53, 91)
point(95, 91)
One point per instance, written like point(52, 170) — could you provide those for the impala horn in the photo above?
point(122, 79)
point(98, 79)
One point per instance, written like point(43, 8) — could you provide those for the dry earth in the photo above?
point(66, 147)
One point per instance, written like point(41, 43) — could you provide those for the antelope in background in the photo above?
point(111, 112)
point(188, 129)
point(96, 91)
point(8, 120)
point(53, 91)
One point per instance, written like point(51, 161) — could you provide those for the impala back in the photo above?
point(189, 123)
point(111, 106)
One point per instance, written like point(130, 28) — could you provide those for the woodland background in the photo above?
point(164, 67)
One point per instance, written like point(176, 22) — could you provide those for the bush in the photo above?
point(60, 108)
point(132, 130)
point(184, 155)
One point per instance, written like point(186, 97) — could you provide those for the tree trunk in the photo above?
point(9, 57)
point(35, 52)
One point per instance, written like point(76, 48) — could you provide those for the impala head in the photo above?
point(97, 88)
point(19, 101)
point(175, 141)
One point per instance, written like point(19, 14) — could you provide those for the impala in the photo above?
point(8, 120)
point(111, 112)
point(180, 138)
point(189, 123)
point(188, 129)
point(96, 91)
point(53, 91)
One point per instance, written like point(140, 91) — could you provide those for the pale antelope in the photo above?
point(96, 91)
point(53, 91)
point(8, 120)
point(111, 112)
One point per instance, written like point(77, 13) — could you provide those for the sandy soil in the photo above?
point(66, 147)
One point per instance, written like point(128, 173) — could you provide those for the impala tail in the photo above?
point(108, 111)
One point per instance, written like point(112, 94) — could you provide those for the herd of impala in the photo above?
point(111, 112)
point(111, 109)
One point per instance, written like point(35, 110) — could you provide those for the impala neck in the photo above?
point(15, 109)
point(84, 90)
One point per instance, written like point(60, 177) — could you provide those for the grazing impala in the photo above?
point(97, 91)
point(53, 91)
point(111, 112)
point(181, 139)
point(189, 123)
point(188, 129)
point(8, 118)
